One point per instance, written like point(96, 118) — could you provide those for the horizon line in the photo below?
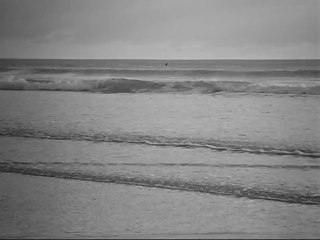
point(164, 59)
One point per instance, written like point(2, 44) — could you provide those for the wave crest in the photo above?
point(181, 72)
point(124, 85)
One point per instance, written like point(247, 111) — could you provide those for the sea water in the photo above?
point(239, 128)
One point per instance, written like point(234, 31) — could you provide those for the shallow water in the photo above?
point(241, 121)
point(281, 178)
point(210, 144)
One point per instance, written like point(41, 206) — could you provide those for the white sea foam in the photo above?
point(124, 85)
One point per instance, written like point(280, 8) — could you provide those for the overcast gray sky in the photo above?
point(178, 29)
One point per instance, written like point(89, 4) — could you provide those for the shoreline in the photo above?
point(34, 206)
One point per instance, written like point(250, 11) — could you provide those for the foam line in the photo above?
point(215, 145)
point(233, 190)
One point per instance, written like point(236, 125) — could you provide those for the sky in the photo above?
point(160, 29)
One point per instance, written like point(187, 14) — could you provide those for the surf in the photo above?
point(161, 141)
point(125, 85)
point(215, 188)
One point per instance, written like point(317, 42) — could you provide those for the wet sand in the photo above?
point(44, 207)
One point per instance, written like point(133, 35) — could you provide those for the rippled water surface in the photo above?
point(253, 146)
point(249, 131)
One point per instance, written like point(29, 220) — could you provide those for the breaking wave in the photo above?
point(124, 85)
point(217, 188)
point(161, 141)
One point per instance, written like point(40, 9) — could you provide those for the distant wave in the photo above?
point(124, 85)
point(217, 188)
point(5, 69)
point(215, 145)
point(315, 73)
point(118, 72)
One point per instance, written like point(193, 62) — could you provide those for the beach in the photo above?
point(163, 119)
point(42, 207)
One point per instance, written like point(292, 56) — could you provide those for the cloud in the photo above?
point(137, 28)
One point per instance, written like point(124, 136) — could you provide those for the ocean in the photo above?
point(248, 130)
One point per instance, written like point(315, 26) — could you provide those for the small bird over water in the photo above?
point(166, 64)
